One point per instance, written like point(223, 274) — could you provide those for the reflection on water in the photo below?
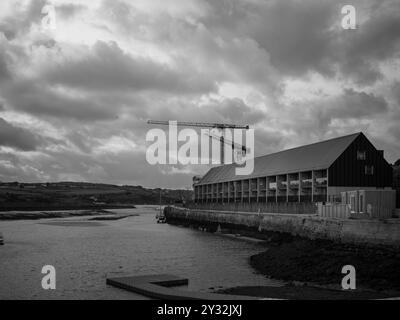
point(84, 253)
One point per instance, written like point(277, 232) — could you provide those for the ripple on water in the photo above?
point(84, 256)
point(73, 223)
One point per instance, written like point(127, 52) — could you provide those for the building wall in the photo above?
point(347, 171)
point(335, 192)
point(308, 186)
point(262, 207)
point(396, 184)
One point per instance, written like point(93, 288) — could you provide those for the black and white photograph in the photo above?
point(229, 151)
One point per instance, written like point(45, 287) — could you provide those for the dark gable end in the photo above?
point(316, 156)
point(348, 171)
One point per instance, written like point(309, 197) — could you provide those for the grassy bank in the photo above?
point(81, 196)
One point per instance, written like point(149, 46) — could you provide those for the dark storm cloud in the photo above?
point(396, 93)
point(19, 138)
point(268, 141)
point(395, 132)
point(4, 70)
point(38, 99)
point(80, 140)
point(236, 109)
point(376, 40)
point(209, 41)
point(296, 34)
point(107, 67)
point(351, 105)
point(233, 110)
point(8, 30)
point(303, 36)
point(331, 117)
point(218, 52)
point(354, 104)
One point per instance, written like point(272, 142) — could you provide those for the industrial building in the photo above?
point(317, 172)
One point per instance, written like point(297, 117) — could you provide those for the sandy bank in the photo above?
point(36, 215)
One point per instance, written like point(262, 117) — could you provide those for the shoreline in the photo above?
point(64, 208)
point(295, 292)
point(303, 257)
point(50, 214)
point(312, 270)
point(321, 262)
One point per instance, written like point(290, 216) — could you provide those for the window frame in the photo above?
point(369, 170)
point(361, 155)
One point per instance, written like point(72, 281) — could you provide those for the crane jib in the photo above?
point(202, 124)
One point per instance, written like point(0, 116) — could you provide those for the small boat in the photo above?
point(1, 240)
point(161, 218)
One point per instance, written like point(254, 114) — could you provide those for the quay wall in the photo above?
point(374, 232)
point(264, 207)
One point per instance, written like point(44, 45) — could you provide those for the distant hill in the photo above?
point(82, 195)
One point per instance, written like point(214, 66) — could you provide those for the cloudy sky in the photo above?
point(74, 100)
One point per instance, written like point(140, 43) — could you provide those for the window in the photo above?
point(361, 155)
point(361, 205)
point(352, 203)
point(369, 170)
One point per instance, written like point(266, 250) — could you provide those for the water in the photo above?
point(85, 252)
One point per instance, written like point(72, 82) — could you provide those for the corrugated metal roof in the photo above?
point(320, 155)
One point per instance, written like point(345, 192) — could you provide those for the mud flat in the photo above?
point(305, 293)
point(309, 259)
point(36, 215)
point(319, 262)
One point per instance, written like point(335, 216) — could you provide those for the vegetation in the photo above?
point(76, 195)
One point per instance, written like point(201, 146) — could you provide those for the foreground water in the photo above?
point(85, 253)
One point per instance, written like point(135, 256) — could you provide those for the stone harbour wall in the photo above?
point(376, 232)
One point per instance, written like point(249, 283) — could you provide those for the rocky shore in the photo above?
point(313, 268)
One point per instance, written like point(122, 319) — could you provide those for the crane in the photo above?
point(239, 149)
point(202, 124)
point(212, 136)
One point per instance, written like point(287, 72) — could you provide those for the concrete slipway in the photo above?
point(159, 287)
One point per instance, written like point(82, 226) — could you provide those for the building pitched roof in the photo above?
point(320, 155)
